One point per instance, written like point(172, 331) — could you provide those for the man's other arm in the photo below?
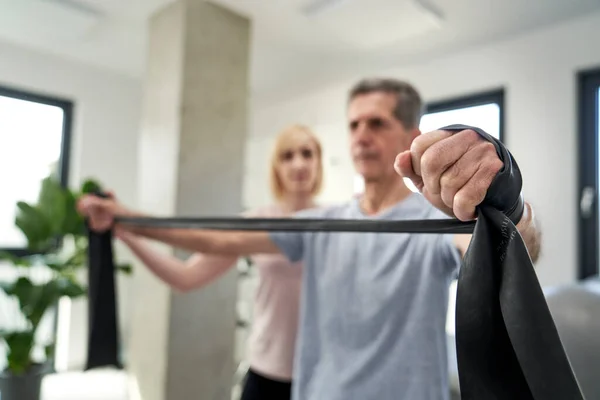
point(527, 227)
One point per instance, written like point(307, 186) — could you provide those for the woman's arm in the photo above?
point(101, 213)
point(197, 271)
point(225, 243)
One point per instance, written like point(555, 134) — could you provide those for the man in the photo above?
point(374, 305)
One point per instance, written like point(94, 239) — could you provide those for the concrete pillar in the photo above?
point(191, 163)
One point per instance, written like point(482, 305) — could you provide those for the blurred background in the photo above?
point(102, 88)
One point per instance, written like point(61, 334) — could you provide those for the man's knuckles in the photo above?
point(433, 163)
point(464, 206)
point(492, 166)
point(449, 188)
point(423, 142)
point(470, 135)
point(433, 152)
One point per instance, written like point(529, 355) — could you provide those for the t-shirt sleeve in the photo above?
point(292, 244)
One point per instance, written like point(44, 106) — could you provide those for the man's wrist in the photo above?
point(530, 232)
point(527, 219)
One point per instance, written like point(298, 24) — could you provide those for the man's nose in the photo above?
point(362, 135)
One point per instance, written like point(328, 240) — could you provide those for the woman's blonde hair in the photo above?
point(281, 143)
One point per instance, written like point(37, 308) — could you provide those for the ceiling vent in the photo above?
point(371, 24)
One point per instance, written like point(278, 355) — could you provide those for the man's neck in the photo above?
point(380, 195)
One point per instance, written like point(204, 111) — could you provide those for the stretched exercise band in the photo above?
point(305, 224)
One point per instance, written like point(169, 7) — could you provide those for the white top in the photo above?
point(273, 336)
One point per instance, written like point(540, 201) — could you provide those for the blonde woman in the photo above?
point(296, 176)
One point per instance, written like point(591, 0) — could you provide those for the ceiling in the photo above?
point(296, 43)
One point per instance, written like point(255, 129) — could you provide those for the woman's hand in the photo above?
point(101, 212)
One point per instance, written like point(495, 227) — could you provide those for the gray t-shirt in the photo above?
point(373, 310)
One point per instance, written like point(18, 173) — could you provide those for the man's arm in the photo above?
point(528, 228)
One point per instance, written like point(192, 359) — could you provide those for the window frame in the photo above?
point(65, 152)
point(588, 85)
point(471, 100)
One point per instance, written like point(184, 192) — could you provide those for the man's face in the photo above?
point(376, 136)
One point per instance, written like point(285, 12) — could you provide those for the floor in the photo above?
point(90, 385)
point(93, 385)
point(100, 385)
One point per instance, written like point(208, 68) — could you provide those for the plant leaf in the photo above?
point(50, 293)
point(34, 225)
point(52, 204)
point(66, 286)
point(90, 186)
point(26, 293)
point(76, 260)
point(19, 345)
point(15, 260)
point(127, 269)
point(6, 287)
point(49, 350)
point(73, 222)
point(55, 263)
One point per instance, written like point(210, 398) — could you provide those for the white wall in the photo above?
point(538, 71)
point(104, 140)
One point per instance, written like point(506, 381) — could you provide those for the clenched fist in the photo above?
point(101, 212)
point(453, 170)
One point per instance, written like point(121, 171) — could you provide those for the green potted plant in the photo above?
point(56, 241)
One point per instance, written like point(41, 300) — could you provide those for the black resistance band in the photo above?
point(507, 344)
point(103, 336)
point(305, 224)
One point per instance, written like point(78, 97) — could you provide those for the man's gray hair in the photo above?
point(409, 106)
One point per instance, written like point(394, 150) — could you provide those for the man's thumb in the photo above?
point(404, 168)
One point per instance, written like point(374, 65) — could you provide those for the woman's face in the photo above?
point(298, 164)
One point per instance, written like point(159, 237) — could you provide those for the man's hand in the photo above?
point(452, 170)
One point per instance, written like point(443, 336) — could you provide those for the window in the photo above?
point(589, 131)
point(483, 110)
point(34, 140)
